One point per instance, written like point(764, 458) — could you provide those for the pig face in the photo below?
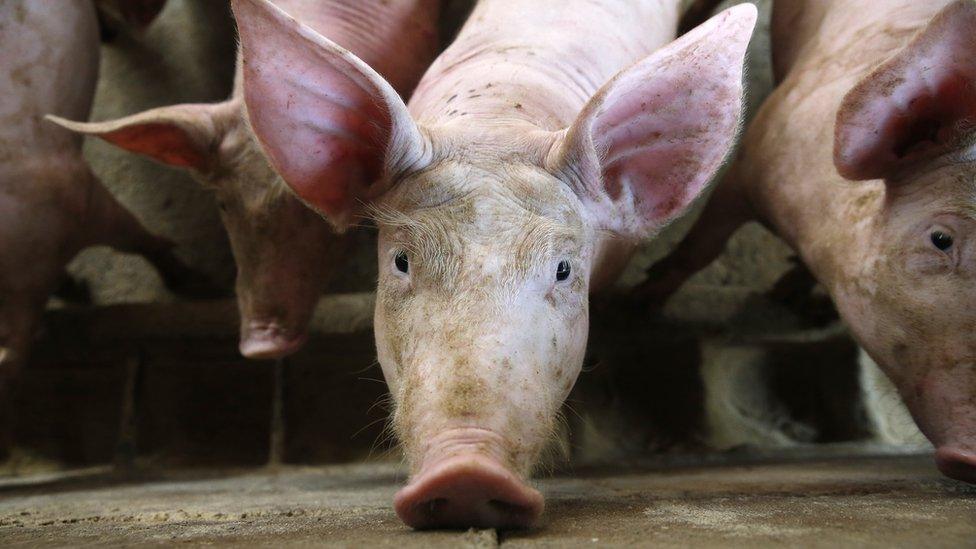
point(488, 234)
point(910, 295)
point(481, 317)
point(284, 251)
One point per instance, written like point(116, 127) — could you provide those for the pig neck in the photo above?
point(521, 69)
point(788, 167)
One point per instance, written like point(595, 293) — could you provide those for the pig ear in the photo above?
point(181, 135)
point(917, 105)
point(650, 140)
point(331, 126)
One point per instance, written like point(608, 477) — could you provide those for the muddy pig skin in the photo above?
point(863, 161)
point(285, 252)
point(51, 206)
point(546, 141)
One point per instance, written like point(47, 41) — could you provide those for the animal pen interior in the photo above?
point(741, 413)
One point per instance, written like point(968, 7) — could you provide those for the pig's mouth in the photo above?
point(270, 340)
point(467, 488)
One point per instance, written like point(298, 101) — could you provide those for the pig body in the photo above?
point(285, 252)
point(51, 205)
point(538, 148)
point(862, 161)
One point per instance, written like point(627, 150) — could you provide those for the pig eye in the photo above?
point(562, 270)
point(941, 240)
point(401, 262)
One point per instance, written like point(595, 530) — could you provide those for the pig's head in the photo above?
point(488, 234)
point(910, 289)
point(284, 251)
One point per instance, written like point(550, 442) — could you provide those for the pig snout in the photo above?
point(957, 464)
point(943, 404)
point(273, 325)
point(262, 339)
point(462, 483)
point(276, 300)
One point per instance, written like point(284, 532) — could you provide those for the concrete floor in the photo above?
point(786, 500)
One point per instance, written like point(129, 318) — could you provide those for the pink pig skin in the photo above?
point(536, 151)
point(51, 206)
point(286, 253)
point(863, 161)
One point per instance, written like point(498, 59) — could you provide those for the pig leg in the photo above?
point(794, 289)
point(726, 211)
point(8, 374)
point(73, 289)
point(115, 226)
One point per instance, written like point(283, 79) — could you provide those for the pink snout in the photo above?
point(466, 491)
point(957, 464)
point(269, 341)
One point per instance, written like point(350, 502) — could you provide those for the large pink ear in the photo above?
point(917, 105)
point(331, 126)
point(184, 136)
point(647, 144)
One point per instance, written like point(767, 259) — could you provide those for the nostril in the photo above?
point(466, 512)
point(437, 505)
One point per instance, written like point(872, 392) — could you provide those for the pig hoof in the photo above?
point(466, 492)
point(957, 464)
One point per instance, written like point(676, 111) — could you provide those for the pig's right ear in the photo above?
point(184, 136)
point(919, 104)
point(648, 143)
point(331, 126)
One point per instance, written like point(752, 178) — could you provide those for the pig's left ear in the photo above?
point(919, 104)
point(647, 144)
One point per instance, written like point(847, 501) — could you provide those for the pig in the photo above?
point(285, 252)
point(545, 142)
point(51, 205)
point(862, 160)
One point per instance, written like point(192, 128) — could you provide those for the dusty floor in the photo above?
point(787, 500)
